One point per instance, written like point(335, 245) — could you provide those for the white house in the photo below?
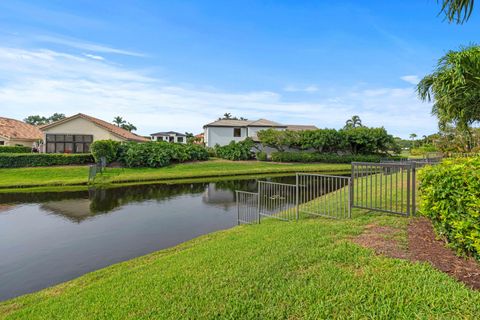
point(222, 132)
point(169, 136)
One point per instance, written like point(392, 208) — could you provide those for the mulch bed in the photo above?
point(423, 246)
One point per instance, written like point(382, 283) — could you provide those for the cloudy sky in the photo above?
point(176, 65)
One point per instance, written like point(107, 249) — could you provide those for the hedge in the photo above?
point(19, 160)
point(15, 149)
point(160, 154)
point(450, 194)
point(327, 157)
point(235, 151)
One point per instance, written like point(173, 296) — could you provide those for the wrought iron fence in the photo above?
point(386, 187)
point(247, 207)
point(324, 195)
point(278, 200)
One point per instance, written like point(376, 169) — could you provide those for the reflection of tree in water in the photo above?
point(105, 200)
point(80, 205)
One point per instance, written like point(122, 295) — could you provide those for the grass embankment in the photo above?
point(78, 175)
point(308, 269)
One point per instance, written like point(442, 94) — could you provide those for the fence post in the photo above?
point(414, 187)
point(238, 207)
point(297, 202)
point(258, 204)
point(409, 171)
point(350, 197)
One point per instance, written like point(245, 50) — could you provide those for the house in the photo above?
point(17, 133)
point(75, 134)
point(169, 136)
point(199, 139)
point(223, 131)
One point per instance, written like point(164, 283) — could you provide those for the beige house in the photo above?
point(75, 134)
point(17, 133)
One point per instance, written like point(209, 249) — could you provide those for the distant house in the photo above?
point(169, 136)
point(222, 132)
point(75, 134)
point(17, 133)
point(199, 138)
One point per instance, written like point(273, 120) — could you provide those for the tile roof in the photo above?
point(300, 127)
point(228, 123)
point(265, 123)
point(166, 133)
point(17, 130)
point(125, 134)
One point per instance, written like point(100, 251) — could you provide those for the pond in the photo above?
point(52, 237)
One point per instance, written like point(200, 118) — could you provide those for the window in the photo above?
point(237, 132)
point(179, 139)
point(68, 143)
point(2, 143)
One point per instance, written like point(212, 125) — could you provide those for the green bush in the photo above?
point(236, 150)
point(105, 148)
point(326, 157)
point(15, 149)
point(160, 154)
point(262, 156)
point(19, 160)
point(450, 194)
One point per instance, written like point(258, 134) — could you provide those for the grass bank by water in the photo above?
point(308, 269)
point(78, 175)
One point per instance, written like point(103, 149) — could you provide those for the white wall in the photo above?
point(222, 136)
point(82, 126)
point(25, 143)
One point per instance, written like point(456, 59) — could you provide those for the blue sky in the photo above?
point(176, 65)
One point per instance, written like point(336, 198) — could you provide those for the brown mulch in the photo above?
point(423, 246)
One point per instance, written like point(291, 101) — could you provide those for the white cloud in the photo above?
point(94, 57)
point(79, 44)
point(412, 79)
point(309, 89)
point(45, 81)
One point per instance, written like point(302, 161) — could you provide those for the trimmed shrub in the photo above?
point(262, 156)
point(236, 150)
point(450, 194)
point(19, 160)
point(15, 149)
point(105, 148)
point(326, 157)
point(160, 154)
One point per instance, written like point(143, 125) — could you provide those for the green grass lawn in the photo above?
point(78, 175)
point(308, 269)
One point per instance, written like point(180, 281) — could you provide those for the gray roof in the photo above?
point(300, 127)
point(167, 133)
point(244, 123)
point(258, 123)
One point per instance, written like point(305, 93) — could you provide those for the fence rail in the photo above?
point(278, 200)
point(324, 195)
point(247, 207)
point(388, 186)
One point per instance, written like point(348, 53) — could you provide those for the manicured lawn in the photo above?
point(76, 175)
point(307, 269)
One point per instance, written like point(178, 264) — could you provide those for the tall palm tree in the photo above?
point(354, 122)
point(118, 121)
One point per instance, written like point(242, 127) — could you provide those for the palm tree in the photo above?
point(128, 126)
point(354, 122)
point(118, 121)
point(227, 116)
point(458, 11)
point(413, 136)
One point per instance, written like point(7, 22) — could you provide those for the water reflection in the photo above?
point(47, 238)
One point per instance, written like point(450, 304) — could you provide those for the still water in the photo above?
point(48, 238)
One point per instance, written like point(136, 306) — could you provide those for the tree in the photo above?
point(37, 120)
point(458, 11)
point(354, 122)
point(228, 116)
point(118, 121)
point(128, 126)
point(454, 88)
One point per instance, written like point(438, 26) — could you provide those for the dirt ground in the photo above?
point(422, 246)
